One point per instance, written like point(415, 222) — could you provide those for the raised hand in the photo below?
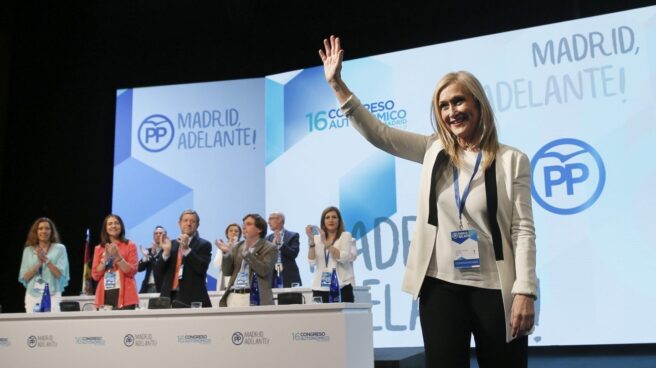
point(332, 56)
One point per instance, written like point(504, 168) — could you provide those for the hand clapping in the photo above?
point(225, 248)
point(43, 258)
point(166, 246)
point(183, 239)
point(308, 231)
point(112, 249)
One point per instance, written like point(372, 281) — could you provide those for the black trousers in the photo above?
point(451, 313)
point(111, 298)
point(346, 294)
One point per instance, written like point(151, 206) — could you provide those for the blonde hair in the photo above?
point(486, 132)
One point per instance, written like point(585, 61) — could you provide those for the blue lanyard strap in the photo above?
point(461, 203)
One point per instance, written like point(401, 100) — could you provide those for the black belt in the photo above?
point(241, 291)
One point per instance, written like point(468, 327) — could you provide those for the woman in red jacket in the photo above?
point(114, 266)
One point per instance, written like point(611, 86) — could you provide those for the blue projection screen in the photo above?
point(577, 97)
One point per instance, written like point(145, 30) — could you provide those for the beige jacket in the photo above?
point(516, 264)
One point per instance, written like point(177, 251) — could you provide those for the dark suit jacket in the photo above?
point(261, 263)
point(149, 266)
point(192, 287)
point(288, 253)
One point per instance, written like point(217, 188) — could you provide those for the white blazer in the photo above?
point(516, 253)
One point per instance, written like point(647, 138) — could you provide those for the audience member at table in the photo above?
point(252, 257)
point(44, 262)
point(114, 266)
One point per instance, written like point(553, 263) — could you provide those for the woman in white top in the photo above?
point(471, 261)
point(233, 236)
point(44, 262)
point(329, 249)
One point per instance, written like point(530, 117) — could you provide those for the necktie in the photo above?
point(177, 270)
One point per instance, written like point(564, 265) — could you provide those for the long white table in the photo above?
point(317, 335)
point(361, 294)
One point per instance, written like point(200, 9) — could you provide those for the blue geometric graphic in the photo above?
point(368, 191)
point(274, 120)
point(142, 191)
point(123, 134)
point(300, 93)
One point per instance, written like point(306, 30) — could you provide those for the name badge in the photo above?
point(180, 272)
point(39, 285)
point(465, 245)
point(112, 280)
point(242, 280)
point(325, 279)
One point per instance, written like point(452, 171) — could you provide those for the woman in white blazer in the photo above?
point(471, 261)
point(331, 249)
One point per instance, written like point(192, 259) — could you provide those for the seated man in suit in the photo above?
point(252, 257)
point(288, 247)
point(183, 264)
point(152, 281)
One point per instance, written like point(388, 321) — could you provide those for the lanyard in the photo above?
point(326, 256)
point(461, 203)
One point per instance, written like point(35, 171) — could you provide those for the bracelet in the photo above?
point(312, 245)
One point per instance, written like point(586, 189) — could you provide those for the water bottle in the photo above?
point(277, 280)
point(45, 299)
point(255, 291)
point(333, 296)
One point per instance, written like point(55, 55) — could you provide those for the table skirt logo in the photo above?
point(90, 340)
point(250, 338)
point(128, 340)
point(319, 336)
point(194, 339)
point(156, 133)
point(237, 338)
point(568, 176)
point(41, 341)
point(4, 341)
point(139, 340)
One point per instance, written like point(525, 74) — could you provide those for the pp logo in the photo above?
point(568, 176)
point(237, 338)
point(128, 340)
point(31, 341)
point(156, 133)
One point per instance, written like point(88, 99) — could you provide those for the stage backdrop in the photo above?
point(577, 97)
